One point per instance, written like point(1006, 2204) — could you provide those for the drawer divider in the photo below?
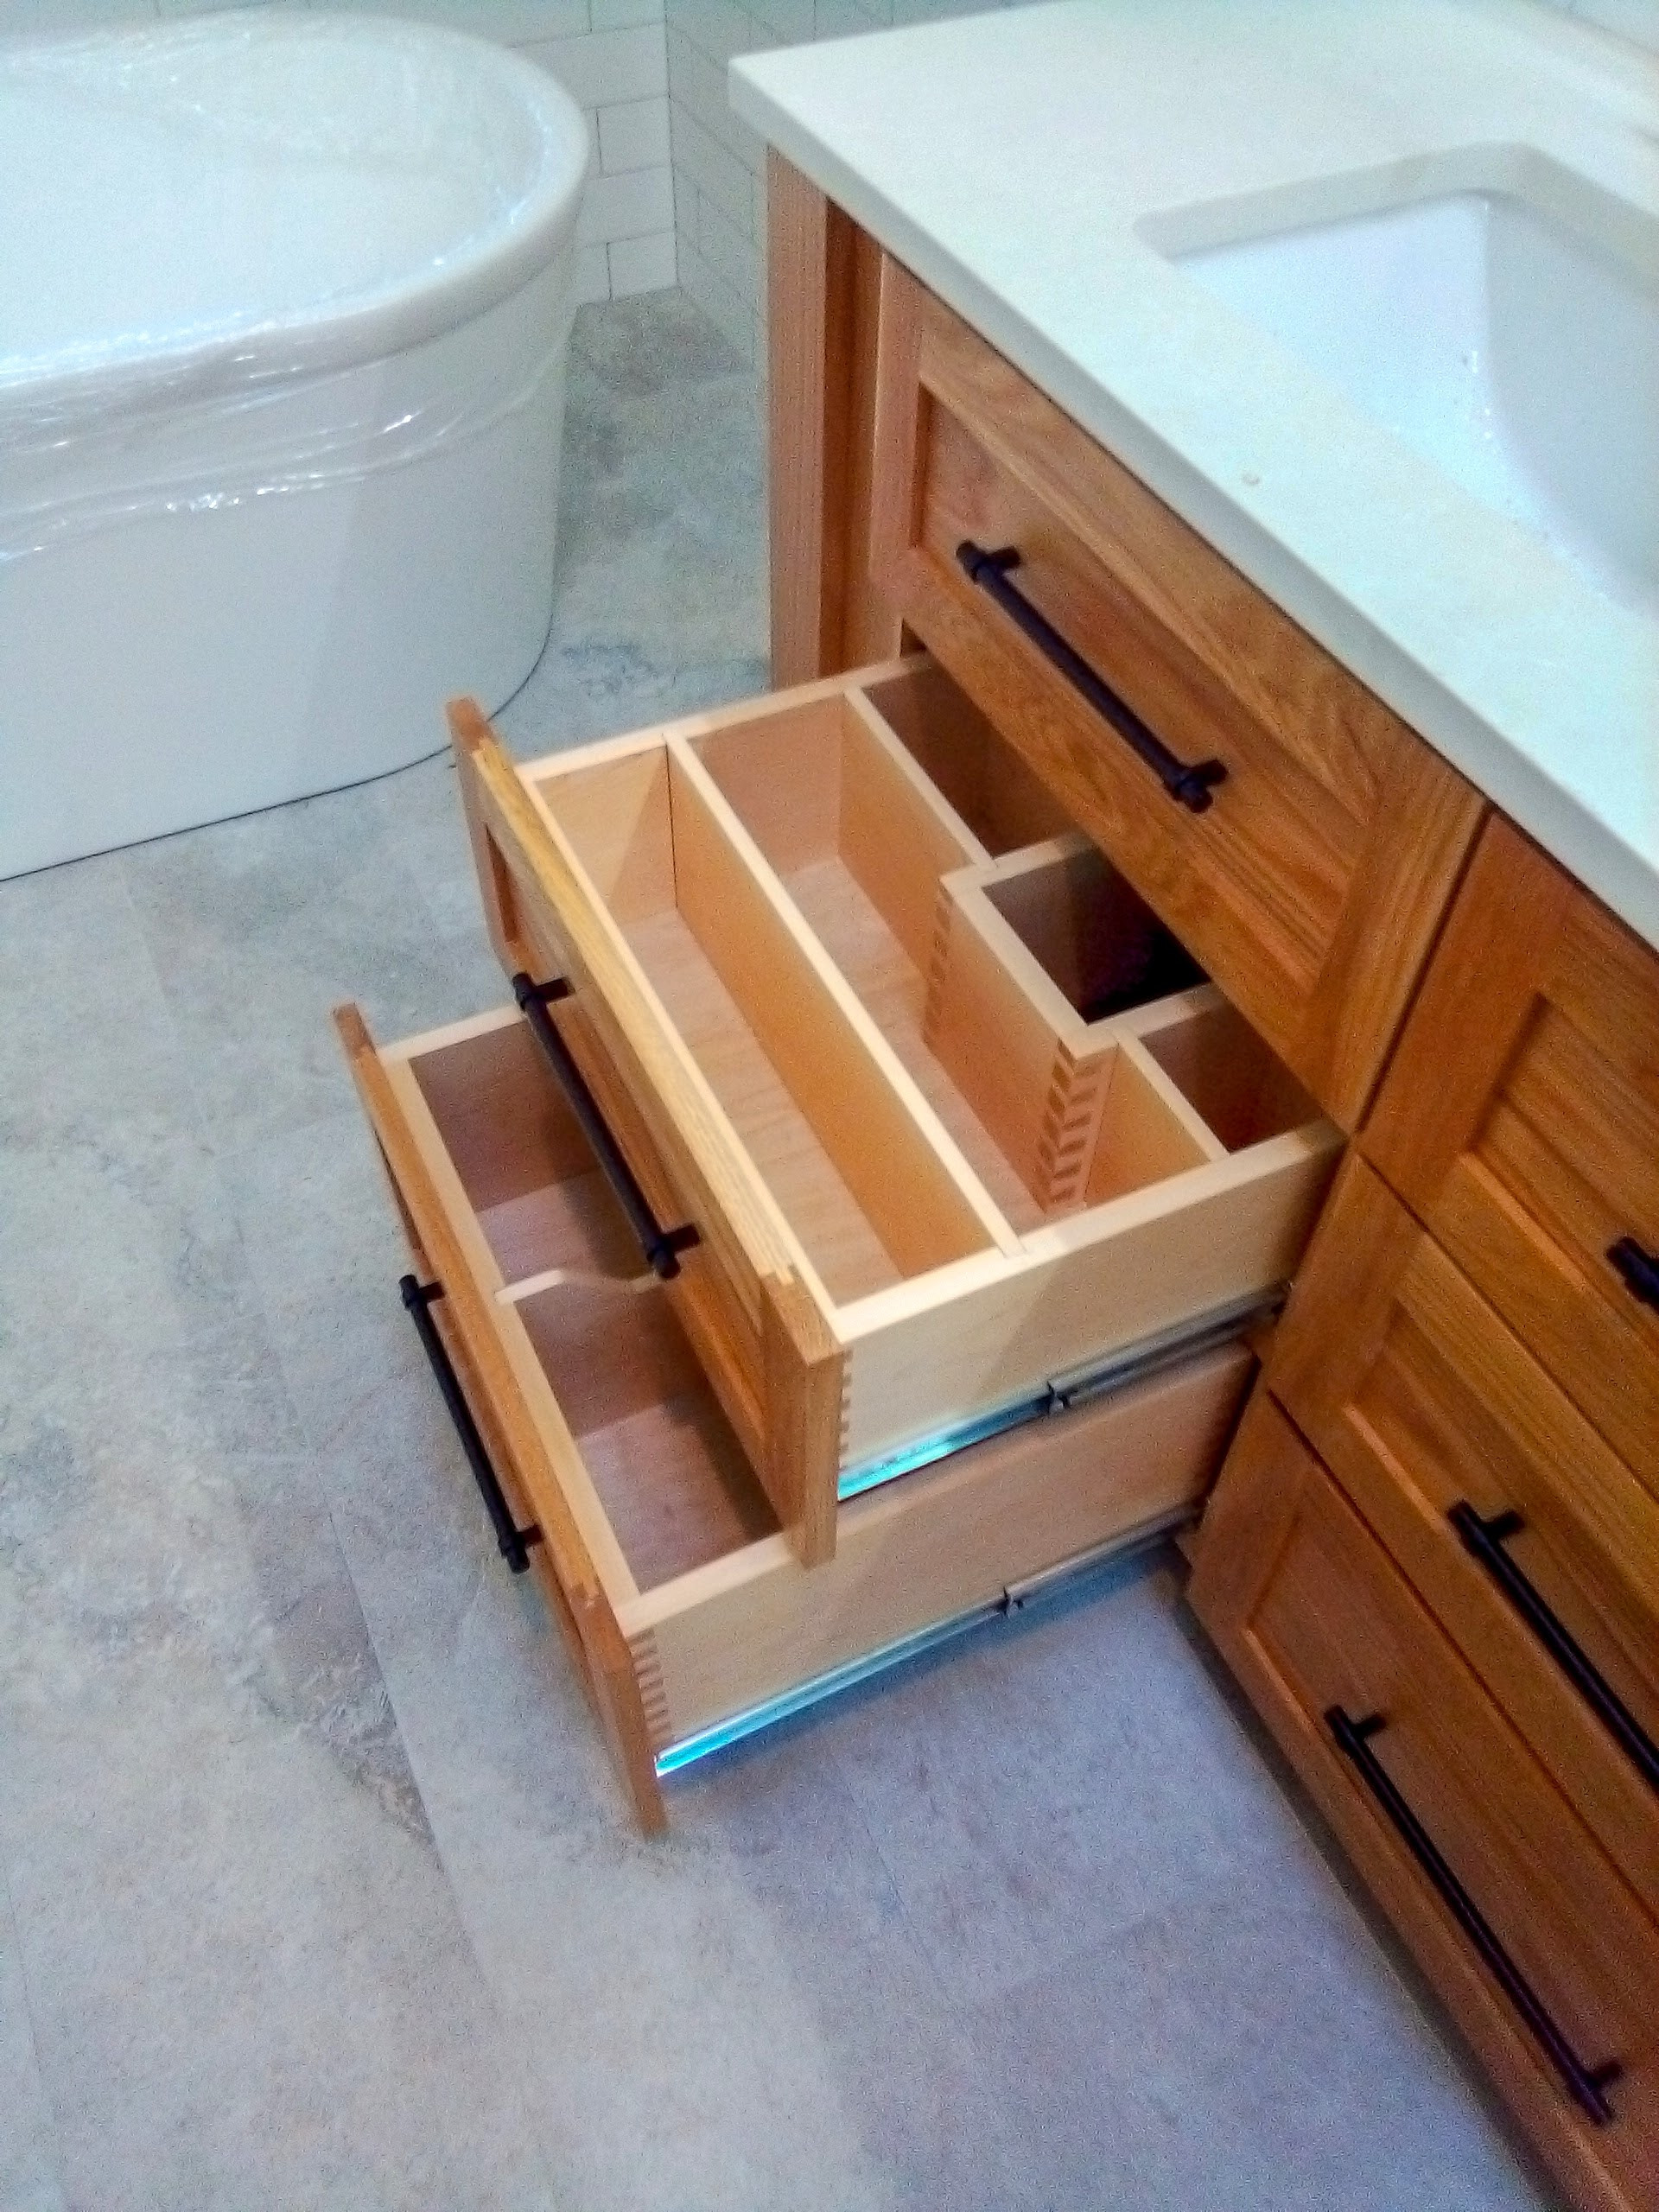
point(551, 885)
point(706, 820)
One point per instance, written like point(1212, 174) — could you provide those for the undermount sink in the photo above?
point(1507, 331)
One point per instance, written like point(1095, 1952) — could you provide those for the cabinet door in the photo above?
point(1310, 878)
point(1534, 1543)
point(1524, 1926)
point(1521, 1121)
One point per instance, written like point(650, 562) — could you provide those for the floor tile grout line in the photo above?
point(314, 1460)
point(47, 2097)
point(453, 1889)
point(314, 1456)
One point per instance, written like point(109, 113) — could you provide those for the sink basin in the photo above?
point(1513, 344)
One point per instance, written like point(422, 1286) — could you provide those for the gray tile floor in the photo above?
point(314, 1889)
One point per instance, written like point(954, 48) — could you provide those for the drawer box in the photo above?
point(1521, 1121)
point(750, 910)
point(1312, 880)
point(689, 1614)
point(1322, 1630)
point(1429, 1411)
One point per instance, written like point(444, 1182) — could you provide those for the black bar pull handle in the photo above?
point(662, 1247)
point(1484, 1540)
point(512, 1541)
point(1639, 1270)
point(1192, 785)
point(1586, 2085)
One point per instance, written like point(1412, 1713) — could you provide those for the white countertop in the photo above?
point(1007, 159)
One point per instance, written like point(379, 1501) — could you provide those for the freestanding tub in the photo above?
point(284, 305)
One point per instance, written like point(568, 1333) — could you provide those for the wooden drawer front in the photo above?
point(687, 1608)
point(949, 1113)
point(756, 1330)
point(1423, 1403)
point(1311, 888)
point(1316, 1621)
point(1520, 1120)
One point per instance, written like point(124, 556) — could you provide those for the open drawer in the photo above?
point(1291, 829)
point(940, 1106)
point(689, 1614)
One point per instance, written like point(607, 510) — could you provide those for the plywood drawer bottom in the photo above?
point(690, 1614)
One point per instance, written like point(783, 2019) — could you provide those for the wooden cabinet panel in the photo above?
point(1424, 1405)
point(1521, 1120)
point(1312, 885)
point(822, 273)
point(1318, 1624)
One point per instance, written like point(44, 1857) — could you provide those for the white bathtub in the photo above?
point(285, 304)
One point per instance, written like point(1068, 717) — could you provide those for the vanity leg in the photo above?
point(823, 275)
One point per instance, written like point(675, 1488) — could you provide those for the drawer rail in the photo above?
point(1133, 1362)
point(1004, 1605)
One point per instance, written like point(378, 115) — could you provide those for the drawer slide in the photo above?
point(1005, 1605)
point(689, 1615)
point(1078, 1387)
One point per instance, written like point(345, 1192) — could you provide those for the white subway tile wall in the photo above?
point(720, 164)
point(680, 185)
point(610, 57)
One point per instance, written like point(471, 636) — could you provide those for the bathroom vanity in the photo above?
point(1375, 743)
point(926, 1081)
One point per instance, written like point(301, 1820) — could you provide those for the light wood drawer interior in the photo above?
point(1311, 879)
point(630, 1449)
point(1320, 1626)
point(981, 1184)
point(1521, 1120)
point(1475, 1470)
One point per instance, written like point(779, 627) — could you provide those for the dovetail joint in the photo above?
point(653, 1693)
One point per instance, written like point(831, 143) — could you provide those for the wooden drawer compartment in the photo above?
point(1317, 1622)
point(1312, 883)
point(748, 906)
point(688, 1612)
point(1521, 1120)
point(1424, 1406)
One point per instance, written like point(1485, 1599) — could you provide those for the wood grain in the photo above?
point(822, 278)
point(836, 1234)
point(1521, 1120)
point(918, 1193)
point(1309, 1612)
point(528, 1454)
point(469, 729)
point(965, 762)
point(1312, 887)
point(756, 1040)
point(1041, 1092)
point(1084, 1286)
point(936, 1543)
point(1417, 1396)
point(893, 992)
